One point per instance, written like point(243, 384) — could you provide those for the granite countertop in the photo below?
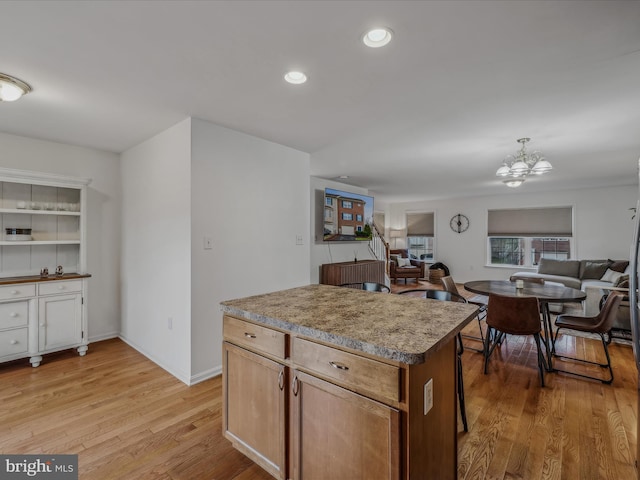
point(394, 327)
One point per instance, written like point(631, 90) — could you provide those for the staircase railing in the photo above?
point(379, 247)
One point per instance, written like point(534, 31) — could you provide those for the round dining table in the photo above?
point(545, 294)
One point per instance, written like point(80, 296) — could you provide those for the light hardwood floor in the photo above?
point(127, 418)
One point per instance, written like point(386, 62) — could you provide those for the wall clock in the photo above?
point(459, 223)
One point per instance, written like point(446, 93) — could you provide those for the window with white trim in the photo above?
point(420, 228)
point(521, 237)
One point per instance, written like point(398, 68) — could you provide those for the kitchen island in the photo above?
point(328, 382)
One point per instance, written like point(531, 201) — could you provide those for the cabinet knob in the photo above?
point(13, 292)
point(13, 342)
point(43, 324)
point(249, 335)
point(60, 287)
point(13, 314)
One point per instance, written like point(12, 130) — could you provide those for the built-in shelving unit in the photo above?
point(42, 313)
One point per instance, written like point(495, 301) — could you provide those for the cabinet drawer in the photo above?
point(14, 314)
point(255, 337)
point(21, 290)
point(13, 342)
point(51, 288)
point(359, 374)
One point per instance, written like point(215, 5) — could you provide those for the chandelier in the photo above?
point(515, 169)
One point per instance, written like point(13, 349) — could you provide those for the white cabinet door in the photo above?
point(60, 321)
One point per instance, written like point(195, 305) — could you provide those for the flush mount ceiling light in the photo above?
point(295, 77)
point(377, 37)
point(11, 88)
point(516, 168)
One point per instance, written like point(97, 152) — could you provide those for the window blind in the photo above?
point(531, 222)
point(420, 224)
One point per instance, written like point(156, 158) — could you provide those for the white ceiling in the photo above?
point(431, 115)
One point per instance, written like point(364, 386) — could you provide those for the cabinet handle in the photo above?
point(13, 342)
point(249, 335)
point(43, 324)
point(295, 386)
point(281, 379)
point(339, 366)
point(13, 314)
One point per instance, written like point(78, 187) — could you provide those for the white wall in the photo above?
point(602, 226)
point(156, 248)
point(251, 197)
point(103, 216)
point(331, 252)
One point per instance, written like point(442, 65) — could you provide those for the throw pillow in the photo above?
point(594, 270)
point(619, 265)
point(621, 281)
point(623, 284)
point(394, 258)
point(611, 276)
point(404, 262)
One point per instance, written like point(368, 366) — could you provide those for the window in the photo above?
point(521, 237)
point(420, 235)
point(421, 247)
point(328, 201)
point(346, 204)
point(347, 216)
point(358, 217)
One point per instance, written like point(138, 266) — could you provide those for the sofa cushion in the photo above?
point(618, 265)
point(593, 269)
point(594, 283)
point(563, 268)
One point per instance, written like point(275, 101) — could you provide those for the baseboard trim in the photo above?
point(206, 375)
point(179, 375)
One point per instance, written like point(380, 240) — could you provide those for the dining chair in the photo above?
point(513, 316)
point(479, 300)
point(600, 324)
point(368, 286)
point(445, 296)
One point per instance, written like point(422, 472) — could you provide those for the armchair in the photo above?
point(410, 268)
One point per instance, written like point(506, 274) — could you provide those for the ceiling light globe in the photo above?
point(295, 77)
point(514, 182)
point(503, 171)
point(519, 168)
point(541, 167)
point(377, 37)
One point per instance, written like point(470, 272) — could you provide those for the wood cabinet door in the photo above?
point(254, 407)
point(336, 433)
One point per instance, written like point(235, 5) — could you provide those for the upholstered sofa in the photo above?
point(401, 266)
point(595, 277)
point(581, 273)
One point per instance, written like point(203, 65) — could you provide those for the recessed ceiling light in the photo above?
point(11, 88)
point(343, 177)
point(377, 37)
point(295, 77)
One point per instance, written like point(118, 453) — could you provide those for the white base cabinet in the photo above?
point(42, 317)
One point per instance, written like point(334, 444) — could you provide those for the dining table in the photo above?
point(545, 293)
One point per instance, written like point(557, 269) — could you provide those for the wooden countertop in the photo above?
point(394, 327)
point(38, 278)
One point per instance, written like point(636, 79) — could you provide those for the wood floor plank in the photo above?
point(127, 418)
